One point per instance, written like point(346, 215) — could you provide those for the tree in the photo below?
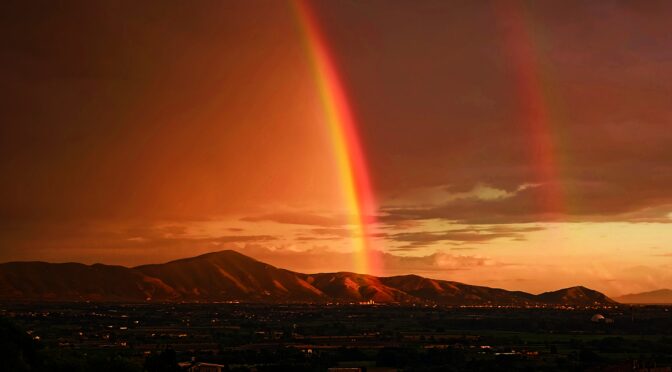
point(18, 350)
point(166, 361)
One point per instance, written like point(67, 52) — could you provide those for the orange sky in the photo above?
point(524, 146)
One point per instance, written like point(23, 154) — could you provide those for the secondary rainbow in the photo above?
point(533, 93)
point(347, 147)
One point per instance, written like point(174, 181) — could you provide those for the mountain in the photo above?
point(454, 293)
point(660, 296)
point(229, 275)
point(75, 281)
point(576, 296)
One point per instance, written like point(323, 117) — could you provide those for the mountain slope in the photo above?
point(229, 275)
point(358, 287)
point(454, 293)
point(75, 281)
point(660, 296)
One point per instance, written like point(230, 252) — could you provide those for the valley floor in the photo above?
point(76, 336)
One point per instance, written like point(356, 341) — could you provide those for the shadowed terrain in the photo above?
point(229, 275)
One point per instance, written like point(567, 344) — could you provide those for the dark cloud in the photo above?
point(53, 241)
point(604, 81)
point(155, 111)
point(297, 219)
point(167, 243)
point(152, 232)
point(303, 238)
point(462, 248)
point(182, 112)
point(422, 239)
point(595, 202)
point(338, 232)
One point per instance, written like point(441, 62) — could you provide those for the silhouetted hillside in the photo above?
point(229, 275)
point(575, 296)
point(75, 281)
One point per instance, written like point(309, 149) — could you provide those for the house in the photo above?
point(201, 367)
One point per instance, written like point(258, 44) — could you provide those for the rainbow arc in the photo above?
point(342, 126)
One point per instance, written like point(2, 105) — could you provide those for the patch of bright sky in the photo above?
point(614, 257)
point(608, 256)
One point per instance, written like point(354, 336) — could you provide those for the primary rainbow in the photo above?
point(350, 159)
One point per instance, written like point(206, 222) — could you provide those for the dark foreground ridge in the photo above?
point(231, 276)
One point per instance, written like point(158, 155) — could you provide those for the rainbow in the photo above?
point(535, 114)
point(347, 147)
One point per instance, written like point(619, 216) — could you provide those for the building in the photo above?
point(201, 367)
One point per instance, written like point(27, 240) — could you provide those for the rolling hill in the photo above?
point(229, 275)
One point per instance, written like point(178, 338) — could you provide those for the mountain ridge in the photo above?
point(232, 276)
point(658, 296)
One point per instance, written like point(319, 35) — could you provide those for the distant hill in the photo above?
point(229, 275)
point(660, 296)
point(575, 295)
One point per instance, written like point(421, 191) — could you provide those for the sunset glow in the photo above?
point(511, 144)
